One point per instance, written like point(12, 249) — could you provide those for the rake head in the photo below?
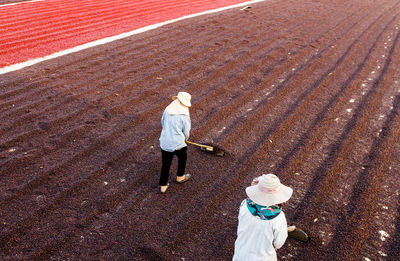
point(213, 150)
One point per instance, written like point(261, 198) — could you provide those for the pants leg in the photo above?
point(182, 157)
point(166, 165)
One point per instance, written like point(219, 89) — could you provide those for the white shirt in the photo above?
point(257, 239)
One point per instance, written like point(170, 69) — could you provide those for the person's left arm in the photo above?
point(280, 233)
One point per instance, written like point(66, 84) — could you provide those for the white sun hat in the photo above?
point(184, 98)
point(269, 191)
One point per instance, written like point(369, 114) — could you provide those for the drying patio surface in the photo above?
point(308, 90)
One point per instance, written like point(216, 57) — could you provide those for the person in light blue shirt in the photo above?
point(176, 126)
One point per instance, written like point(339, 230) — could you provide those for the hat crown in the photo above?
point(269, 181)
point(269, 191)
point(184, 98)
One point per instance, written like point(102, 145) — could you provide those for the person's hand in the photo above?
point(255, 181)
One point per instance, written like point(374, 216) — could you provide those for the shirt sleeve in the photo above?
point(280, 233)
point(163, 119)
point(186, 127)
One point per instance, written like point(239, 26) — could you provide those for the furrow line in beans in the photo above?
point(278, 76)
point(351, 125)
point(341, 158)
point(359, 216)
point(256, 115)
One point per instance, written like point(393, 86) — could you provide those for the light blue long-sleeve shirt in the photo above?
point(175, 131)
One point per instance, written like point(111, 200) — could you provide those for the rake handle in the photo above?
point(200, 145)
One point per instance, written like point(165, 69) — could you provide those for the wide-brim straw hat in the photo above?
point(184, 98)
point(269, 191)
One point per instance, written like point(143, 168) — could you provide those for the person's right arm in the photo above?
point(186, 127)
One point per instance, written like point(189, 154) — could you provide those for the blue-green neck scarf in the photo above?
point(263, 212)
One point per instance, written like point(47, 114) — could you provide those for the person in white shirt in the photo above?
point(176, 126)
point(262, 226)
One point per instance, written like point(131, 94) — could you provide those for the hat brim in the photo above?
point(280, 195)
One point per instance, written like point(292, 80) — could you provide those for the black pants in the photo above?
point(166, 164)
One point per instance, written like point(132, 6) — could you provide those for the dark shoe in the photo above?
point(163, 191)
point(186, 177)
